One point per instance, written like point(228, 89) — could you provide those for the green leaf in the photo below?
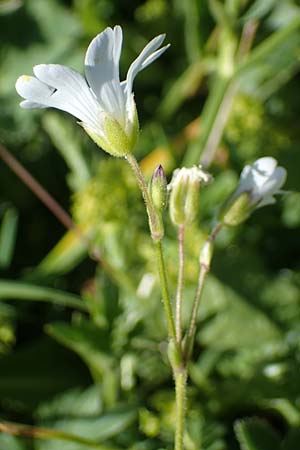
point(64, 256)
point(97, 429)
point(93, 345)
point(227, 330)
point(65, 139)
point(256, 434)
point(8, 233)
point(72, 403)
point(23, 291)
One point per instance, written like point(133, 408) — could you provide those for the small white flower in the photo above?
point(184, 194)
point(104, 105)
point(257, 187)
point(192, 174)
point(262, 180)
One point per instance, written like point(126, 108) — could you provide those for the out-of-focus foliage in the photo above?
point(85, 351)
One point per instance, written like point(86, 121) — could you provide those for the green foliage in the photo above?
point(83, 347)
point(256, 435)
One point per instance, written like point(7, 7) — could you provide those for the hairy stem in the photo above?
point(193, 320)
point(165, 290)
point(203, 271)
point(152, 216)
point(180, 283)
point(180, 388)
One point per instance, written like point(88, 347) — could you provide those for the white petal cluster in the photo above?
point(192, 175)
point(184, 194)
point(104, 105)
point(262, 180)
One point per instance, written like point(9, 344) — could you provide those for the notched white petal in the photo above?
point(265, 166)
point(141, 61)
point(33, 90)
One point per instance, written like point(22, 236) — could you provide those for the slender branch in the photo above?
point(37, 188)
point(203, 271)
point(165, 290)
point(192, 326)
point(218, 105)
point(180, 283)
point(152, 216)
point(62, 216)
point(180, 389)
point(158, 245)
point(225, 105)
point(47, 433)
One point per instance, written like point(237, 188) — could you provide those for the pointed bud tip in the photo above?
point(159, 172)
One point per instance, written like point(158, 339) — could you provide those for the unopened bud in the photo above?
point(158, 189)
point(206, 254)
point(236, 209)
point(158, 195)
point(184, 194)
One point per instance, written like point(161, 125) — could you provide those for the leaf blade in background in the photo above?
point(256, 434)
point(8, 233)
point(17, 290)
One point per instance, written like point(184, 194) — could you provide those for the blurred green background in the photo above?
point(83, 341)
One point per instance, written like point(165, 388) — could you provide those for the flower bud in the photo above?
point(184, 194)
point(113, 138)
point(158, 189)
point(158, 194)
point(258, 185)
point(236, 209)
point(206, 254)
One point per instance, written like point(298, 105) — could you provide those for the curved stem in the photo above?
point(204, 269)
point(165, 290)
point(192, 326)
point(159, 251)
point(180, 388)
point(152, 216)
point(180, 283)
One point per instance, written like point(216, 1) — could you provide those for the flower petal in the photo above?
point(102, 71)
point(32, 89)
point(146, 57)
point(265, 166)
point(26, 104)
point(275, 182)
point(246, 181)
point(69, 92)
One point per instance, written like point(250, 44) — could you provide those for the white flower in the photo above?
point(263, 179)
point(194, 174)
point(104, 105)
point(257, 187)
point(184, 194)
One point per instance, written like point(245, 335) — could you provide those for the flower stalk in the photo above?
point(180, 283)
point(204, 262)
point(180, 390)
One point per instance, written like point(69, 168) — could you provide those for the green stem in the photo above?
point(152, 216)
point(180, 284)
point(180, 388)
point(165, 290)
point(262, 51)
point(193, 320)
point(204, 269)
point(218, 105)
point(208, 118)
